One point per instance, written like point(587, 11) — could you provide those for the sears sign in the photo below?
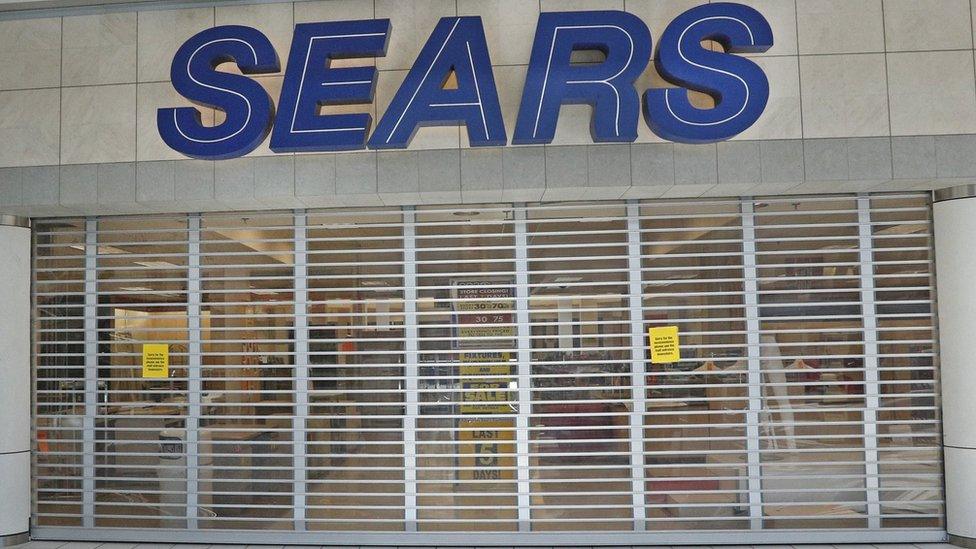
point(457, 46)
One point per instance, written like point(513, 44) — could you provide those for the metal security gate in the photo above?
point(480, 375)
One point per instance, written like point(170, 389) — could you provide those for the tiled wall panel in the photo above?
point(891, 79)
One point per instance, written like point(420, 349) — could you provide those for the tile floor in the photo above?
point(97, 545)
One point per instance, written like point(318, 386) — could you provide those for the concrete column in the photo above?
point(15, 376)
point(955, 259)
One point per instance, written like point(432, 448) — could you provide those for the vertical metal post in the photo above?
point(194, 372)
point(36, 318)
point(411, 371)
point(751, 294)
point(91, 373)
point(524, 374)
point(299, 425)
point(638, 364)
point(871, 385)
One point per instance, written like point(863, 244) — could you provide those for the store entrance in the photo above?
point(445, 371)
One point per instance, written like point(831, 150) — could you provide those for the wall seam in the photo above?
point(884, 34)
point(60, 104)
point(135, 149)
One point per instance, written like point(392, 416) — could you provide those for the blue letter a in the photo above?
point(456, 46)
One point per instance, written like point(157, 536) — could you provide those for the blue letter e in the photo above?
point(738, 85)
point(553, 79)
point(311, 83)
point(249, 110)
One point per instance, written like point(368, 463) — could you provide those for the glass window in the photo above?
point(580, 365)
point(466, 464)
point(142, 296)
point(354, 432)
point(245, 434)
point(59, 362)
point(694, 422)
point(909, 435)
point(486, 369)
point(812, 361)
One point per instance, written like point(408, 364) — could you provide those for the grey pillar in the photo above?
point(955, 229)
point(15, 375)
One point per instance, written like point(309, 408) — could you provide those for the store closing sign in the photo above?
point(457, 51)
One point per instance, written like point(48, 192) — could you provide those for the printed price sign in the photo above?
point(664, 345)
point(155, 360)
point(482, 442)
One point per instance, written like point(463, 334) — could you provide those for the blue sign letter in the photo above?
point(552, 78)
point(457, 45)
point(248, 107)
point(738, 85)
point(310, 84)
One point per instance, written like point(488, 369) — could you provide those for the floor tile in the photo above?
point(109, 545)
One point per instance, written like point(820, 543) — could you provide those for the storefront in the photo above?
point(444, 369)
point(453, 343)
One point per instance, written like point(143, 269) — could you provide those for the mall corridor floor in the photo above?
point(96, 545)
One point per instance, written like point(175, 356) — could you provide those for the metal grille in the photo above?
point(370, 375)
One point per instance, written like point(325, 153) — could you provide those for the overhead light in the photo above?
point(903, 229)
point(374, 283)
point(102, 250)
point(669, 280)
point(153, 295)
point(567, 279)
point(157, 264)
point(258, 291)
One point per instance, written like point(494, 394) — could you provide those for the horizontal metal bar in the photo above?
point(669, 536)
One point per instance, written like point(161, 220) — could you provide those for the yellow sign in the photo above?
point(155, 360)
point(485, 363)
point(486, 330)
point(481, 443)
point(485, 397)
point(664, 345)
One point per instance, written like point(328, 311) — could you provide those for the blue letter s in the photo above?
point(738, 85)
point(248, 107)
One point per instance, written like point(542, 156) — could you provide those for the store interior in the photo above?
point(781, 357)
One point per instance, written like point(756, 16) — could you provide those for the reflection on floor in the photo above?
point(97, 545)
